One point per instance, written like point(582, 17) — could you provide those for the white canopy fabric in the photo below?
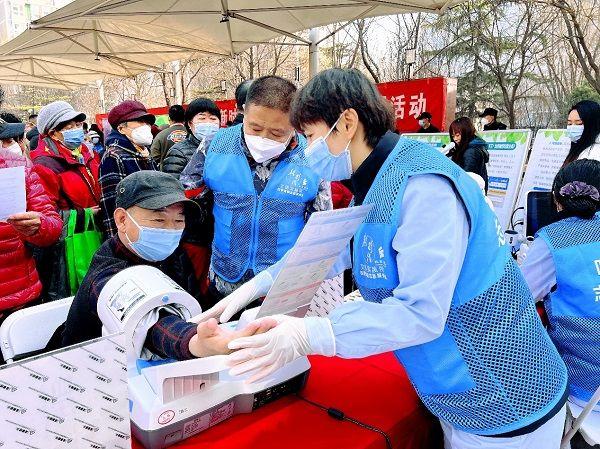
point(125, 37)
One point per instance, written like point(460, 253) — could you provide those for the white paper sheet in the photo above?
point(323, 238)
point(12, 192)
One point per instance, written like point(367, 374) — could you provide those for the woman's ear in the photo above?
point(350, 122)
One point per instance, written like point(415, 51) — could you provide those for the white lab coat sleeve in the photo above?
point(539, 269)
point(431, 243)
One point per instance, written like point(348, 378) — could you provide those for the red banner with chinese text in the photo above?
point(410, 98)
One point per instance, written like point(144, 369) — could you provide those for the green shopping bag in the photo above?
point(82, 240)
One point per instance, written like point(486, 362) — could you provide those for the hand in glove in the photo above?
point(268, 352)
point(232, 304)
point(211, 339)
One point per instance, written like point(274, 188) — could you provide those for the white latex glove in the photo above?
point(268, 352)
point(256, 287)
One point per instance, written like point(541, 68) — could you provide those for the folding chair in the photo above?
point(29, 329)
point(578, 423)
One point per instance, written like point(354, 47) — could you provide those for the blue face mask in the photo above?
point(575, 132)
point(72, 138)
point(205, 130)
point(325, 164)
point(154, 244)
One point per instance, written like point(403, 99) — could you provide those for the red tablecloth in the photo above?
point(374, 390)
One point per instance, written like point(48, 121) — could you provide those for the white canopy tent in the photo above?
point(125, 37)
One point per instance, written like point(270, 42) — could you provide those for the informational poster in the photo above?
point(550, 149)
point(307, 264)
point(508, 150)
point(75, 398)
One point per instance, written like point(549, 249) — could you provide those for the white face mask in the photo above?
point(142, 136)
point(575, 132)
point(484, 121)
point(14, 148)
point(422, 122)
point(263, 149)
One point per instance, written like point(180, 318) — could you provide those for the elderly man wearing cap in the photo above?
point(425, 123)
point(126, 152)
point(150, 214)
point(489, 122)
point(39, 225)
point(66, 166)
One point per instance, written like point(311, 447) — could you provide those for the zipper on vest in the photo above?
point(254, 233)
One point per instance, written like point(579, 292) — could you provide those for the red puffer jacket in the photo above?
point(19, 280)
point(71, 183)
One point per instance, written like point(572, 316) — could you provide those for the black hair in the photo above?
point(177, 113)
point(585, 171)
point(85, 126)
point(9, 117)
point(32, 116)
point(333, 91)
point(589, 112)
point(241, 91)
point(271, 92)
point(200, 105)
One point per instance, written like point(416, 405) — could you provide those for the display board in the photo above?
point(508, 150)
point(550, 149)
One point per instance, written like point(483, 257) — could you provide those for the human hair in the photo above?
point(463, 126)
point(198, 106)
point(32, 117)
point(333, 91)
point(589, 112)
point(177, 113)
point(9, 117)
point(573, 188)
point(271, 92)
point(241, 91)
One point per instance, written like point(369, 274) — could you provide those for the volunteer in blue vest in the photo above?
point(563, 269)
point(439, 283)
point(264, 192)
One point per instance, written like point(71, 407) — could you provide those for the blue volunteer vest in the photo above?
point(574, 307)
point(254, 231)
point(494, 369)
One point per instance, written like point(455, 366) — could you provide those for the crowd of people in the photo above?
point(217, 210)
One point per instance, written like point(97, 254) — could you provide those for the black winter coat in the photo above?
point(474, 159)
point(179, 155)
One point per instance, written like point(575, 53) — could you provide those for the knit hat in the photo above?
point(129, 111)
point(56, 113)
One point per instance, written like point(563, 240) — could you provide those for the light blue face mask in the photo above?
point(155, 244)
point(575, 132)
point(72, 138)
point(205, 130)
point(328, 166)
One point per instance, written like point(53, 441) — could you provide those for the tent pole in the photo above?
point(313, 52)
point(100, 84)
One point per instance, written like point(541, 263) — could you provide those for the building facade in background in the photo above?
point(15, 15)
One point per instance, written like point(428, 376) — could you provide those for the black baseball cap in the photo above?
point(489, 111)
point(150, 189)
point(423, 115)
point(11, 130)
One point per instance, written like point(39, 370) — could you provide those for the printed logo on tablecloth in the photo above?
point(74, 397)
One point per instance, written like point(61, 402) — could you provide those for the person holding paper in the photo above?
point(441, 289)
point(562, 269)
point(37, 223)
point(264, 190)
point(150, 214)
